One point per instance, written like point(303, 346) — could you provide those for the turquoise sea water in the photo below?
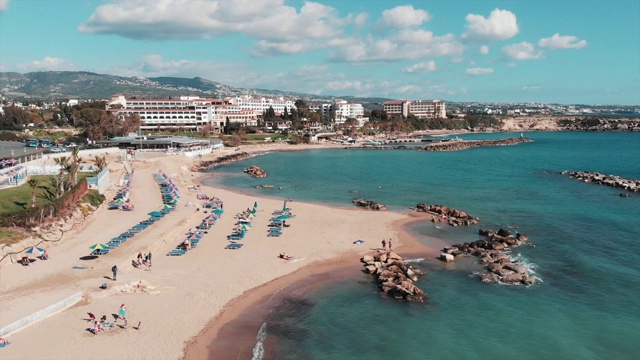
point(587, 253)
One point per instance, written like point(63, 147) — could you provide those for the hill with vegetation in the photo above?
point(62, 85)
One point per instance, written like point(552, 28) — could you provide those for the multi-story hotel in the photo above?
point(420, 109)
point(193, 112)
point(346, 110)
point(262, 104)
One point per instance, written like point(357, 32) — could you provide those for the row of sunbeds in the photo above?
point(153, 217)
point(193, 237)
point(121, 199)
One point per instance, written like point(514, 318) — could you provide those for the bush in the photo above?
point(94, 198)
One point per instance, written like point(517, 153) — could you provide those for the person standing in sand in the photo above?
point(122, 314)
point(384, 244)
point(114, 270)
point(389, 244)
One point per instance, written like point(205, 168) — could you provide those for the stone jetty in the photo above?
point(602, 179)
point(451, 216)
point(221, 160)
point(456, 145)
point(394, 277)
point(492, 251)
point(256, 172)
point(371, 205)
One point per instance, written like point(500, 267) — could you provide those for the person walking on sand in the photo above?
point(389, 244)
point(114, 270)
point(122, 314)
point(384, 244)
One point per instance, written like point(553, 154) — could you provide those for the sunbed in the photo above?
point(100, 252)
point(234, 246)
point(176, 252)
point(236, 236)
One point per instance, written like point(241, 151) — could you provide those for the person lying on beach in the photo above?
point(4, 341)
point(285, 256)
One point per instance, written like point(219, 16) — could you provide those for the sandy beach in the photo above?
point(182, 301)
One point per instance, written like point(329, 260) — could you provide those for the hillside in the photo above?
point(60, 85)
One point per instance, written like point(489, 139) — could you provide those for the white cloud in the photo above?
point(407, 45)
point(479, 71)
point(49, 63)
point(427, 66)
point(484, 49)
point(269, 20)
point(358, 20)
point(4, 5)
point(522, 51)
point(500, 25)
point(403, 17)
point(558, 41)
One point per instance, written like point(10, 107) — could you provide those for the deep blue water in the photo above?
point(587, 251)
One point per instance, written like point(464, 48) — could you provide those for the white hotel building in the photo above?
point(421, 109)
point(346, 110)
point(193, 112)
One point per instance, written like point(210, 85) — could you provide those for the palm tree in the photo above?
point(33, 184)
point(75, 154)
point(100, 162)
point(62, 161)
point(72, 170)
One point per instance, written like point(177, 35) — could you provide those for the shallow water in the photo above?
point(587, 251)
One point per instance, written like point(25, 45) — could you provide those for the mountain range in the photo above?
point(61, 85)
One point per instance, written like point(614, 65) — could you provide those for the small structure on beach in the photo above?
point(255, 172)
point(395, 278)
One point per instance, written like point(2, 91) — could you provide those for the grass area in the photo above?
point(18, 198)
point(8, 237)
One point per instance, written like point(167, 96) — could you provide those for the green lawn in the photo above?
point(17, 198)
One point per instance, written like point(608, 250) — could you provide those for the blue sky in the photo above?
point(576, 51)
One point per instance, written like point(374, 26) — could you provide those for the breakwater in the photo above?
point(451, 216)
point(203, 165)
point(467, 144)
point(608, 180)
point(395, 278)
point(493, 251)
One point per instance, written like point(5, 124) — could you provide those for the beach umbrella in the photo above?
point(255, 205)
point(99, 246)
point(155, 213)
point(35, 250)
point(195, 236)
point(245, 227)
point(283, 217)
point(218, 211)
point(167, 207)
point(251, 215)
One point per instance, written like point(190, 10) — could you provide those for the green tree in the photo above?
point(33, 184)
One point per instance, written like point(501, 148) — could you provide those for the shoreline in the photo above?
point(240, 320)
point(212, 278)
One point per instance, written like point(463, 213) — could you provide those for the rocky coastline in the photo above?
point(226, 159)
point(451, 216)
point(394, 277)
point(602, 179)
point(255, 172)
point(371, 205)
point(456, 145)
point(492, 251)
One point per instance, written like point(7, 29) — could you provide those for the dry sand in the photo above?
point(179, 296)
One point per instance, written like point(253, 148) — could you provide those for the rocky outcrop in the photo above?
point(371, 205)
point(492, 251)
point(609, 180)
point(255, 171)
point(467, 144)
point(395, 278)
point(451, 216)
point(220, 160)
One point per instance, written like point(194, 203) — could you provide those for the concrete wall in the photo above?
point(41, 315)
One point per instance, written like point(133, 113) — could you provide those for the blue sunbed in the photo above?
point(234, 246)
point(176, 252)
point(100, 252)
